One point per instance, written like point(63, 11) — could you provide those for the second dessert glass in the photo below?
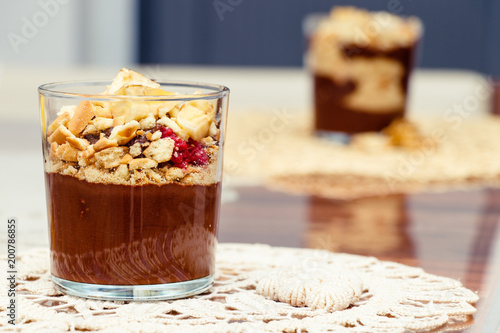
point(133, 183)
point(361, 63)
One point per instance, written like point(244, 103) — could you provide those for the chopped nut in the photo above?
point(153, 136)
point(103, 124)
point(156, 136)
point(160, 150)
point(110, 157)
point(60, 135)
point(83, 114)
point(148, 122)
point(208, 141)
point(67, 153)
point(140, 132)
point(124, 133)
point(142, 163)
point(80, 144)
point(126, 159)
point(105, 143)
point(135, 149)
point(63, 119)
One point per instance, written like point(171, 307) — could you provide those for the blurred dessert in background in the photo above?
point(409, 157)
point(361, 62)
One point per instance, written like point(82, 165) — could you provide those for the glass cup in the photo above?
point(360, 63)
point(133, 198)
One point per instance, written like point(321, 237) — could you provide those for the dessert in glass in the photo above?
point(133, 174)
point(361, 62)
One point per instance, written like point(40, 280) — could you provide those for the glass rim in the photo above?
point(55, 89)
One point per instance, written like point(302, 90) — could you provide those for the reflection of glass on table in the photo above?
point(374, 226)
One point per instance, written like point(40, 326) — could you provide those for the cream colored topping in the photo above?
point(110, 160)
point(378, 30)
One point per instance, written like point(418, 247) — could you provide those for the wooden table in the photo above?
point(451, 234)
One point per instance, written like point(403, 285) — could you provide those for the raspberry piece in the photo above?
point(166, 132)
point(185, 153)
point(197, 154)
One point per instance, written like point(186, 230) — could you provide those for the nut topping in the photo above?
point(136, 142)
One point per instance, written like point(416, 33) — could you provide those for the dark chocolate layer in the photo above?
point(131, 235)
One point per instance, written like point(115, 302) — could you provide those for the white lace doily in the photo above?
point(368, 295)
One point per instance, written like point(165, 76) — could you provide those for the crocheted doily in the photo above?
point(331, 292)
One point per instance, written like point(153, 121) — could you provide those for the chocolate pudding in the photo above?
point(361, 63)
point(131, 235)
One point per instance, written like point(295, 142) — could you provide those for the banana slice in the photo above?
point(133, 110)
point(129, 77)
point(204, 105)
point(194, 121)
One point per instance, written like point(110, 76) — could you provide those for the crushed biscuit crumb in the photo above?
point(83, 114)
point(60, 135)
point(104, 143)
point(80, 144)
point(135, 149)
point(160, 150)
point(142, 163)
point(110, 157)
point(67, 153)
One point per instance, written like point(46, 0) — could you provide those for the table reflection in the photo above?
point(370, 226)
